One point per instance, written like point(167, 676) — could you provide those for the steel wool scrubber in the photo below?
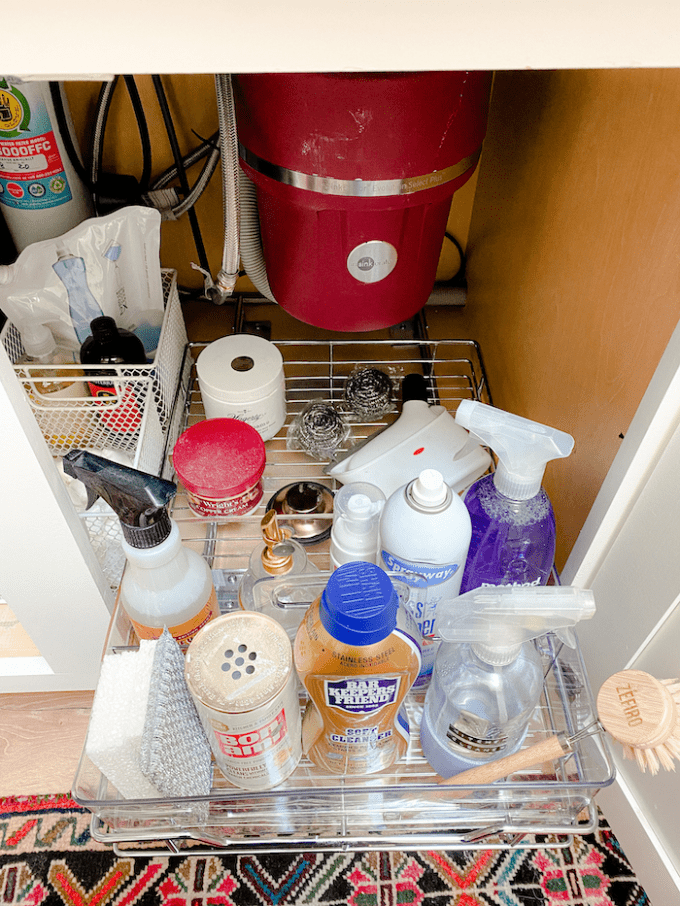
point(175, 753)
point(636, 709)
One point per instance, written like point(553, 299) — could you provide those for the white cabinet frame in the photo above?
point(49, 574)
point(628, 552)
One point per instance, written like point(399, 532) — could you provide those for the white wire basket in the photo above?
point(140, 420)
point(114, 423)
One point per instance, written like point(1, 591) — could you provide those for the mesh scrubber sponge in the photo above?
point(175, 752)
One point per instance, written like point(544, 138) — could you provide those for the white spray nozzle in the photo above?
point(429, 489)
point(523, 447)
point(359, 504)
point(500, 618)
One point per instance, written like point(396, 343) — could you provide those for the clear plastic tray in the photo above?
point(403, 807)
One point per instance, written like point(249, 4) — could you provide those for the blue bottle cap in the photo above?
point(359, 604)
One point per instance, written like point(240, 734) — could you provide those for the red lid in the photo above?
point(219, 457)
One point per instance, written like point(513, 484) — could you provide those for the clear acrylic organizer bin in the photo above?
point(158, 388)
point(403, 807)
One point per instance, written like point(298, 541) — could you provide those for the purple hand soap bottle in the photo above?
point(513, 524)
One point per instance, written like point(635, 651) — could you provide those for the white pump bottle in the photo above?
point(355, 534)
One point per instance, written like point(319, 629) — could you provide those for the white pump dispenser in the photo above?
point(488, 677)
point(50, 384)
point(38, 342)
point(513, 525)
point(356, 517)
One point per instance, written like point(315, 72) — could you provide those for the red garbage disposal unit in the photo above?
point(354, 175)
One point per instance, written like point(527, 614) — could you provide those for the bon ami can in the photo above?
point(239, 669)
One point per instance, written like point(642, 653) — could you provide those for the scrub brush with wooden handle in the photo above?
point(643, 714)
point(636, 709)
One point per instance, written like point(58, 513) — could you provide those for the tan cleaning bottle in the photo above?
point(357, 667)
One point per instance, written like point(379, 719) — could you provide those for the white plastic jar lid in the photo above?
point(240, 368)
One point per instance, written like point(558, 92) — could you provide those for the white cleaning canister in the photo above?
point(425, 532)
point(241, 376)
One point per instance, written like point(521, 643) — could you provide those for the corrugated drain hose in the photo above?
point(251, 242)
point(223, 287)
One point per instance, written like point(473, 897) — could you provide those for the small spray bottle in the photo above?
point(488, 676)
point(165, 583)
point(513, 524)
point(355, 534)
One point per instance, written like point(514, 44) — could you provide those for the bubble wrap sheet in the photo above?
point(117, 720)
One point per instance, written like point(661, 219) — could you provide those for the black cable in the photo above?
point(67, 138)
point(143, 128)
point(459, 277)
point(181, 172)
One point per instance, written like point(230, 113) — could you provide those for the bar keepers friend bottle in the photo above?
point(357, 668)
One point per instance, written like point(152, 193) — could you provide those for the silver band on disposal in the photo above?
point(361, 188)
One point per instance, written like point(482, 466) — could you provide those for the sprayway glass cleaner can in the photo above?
point(425, 532)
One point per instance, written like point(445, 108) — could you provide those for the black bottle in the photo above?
point(111, 345)
point(122, 402)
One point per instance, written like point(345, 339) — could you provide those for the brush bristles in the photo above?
point(664, 753)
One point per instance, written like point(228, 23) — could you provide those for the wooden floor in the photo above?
point(41, 738)
point(41, 735)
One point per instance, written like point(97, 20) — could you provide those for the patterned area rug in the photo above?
point(48, 857)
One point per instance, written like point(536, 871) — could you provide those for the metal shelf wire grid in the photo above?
point(402, 807)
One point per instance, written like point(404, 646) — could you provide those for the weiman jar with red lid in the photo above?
point(220, 462)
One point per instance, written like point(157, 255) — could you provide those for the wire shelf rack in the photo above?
point(403, 807)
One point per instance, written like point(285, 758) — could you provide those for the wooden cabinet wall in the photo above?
point(574, 258)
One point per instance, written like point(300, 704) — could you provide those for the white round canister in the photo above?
point(241, 376)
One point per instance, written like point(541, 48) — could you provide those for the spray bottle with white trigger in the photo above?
point(513, 524)
point(488, 675)
point(165, 584)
